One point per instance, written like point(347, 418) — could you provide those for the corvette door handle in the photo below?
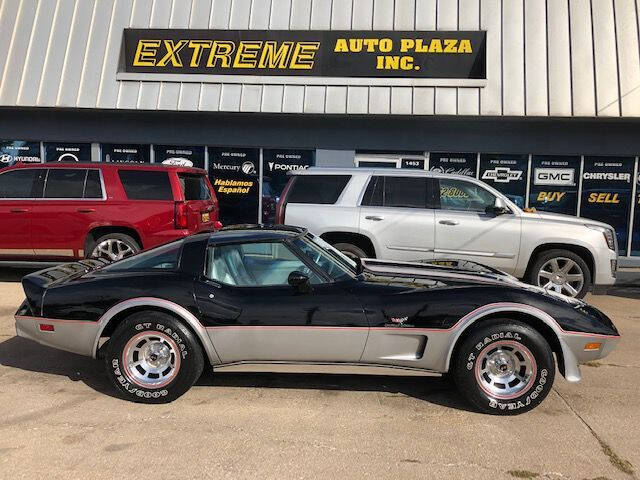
point(448, 222)
point(86, 210)
point(375, 218)
point(19, 210)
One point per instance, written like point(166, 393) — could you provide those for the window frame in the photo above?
point(38, 181)
point(475, 212)
point(292, 248)
point(176, 269)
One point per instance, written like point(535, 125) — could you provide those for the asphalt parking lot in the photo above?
point(59, 420)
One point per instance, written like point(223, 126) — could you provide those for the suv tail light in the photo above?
point(282, 203)
point(181, 216)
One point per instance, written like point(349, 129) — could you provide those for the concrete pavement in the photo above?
point(59, 420)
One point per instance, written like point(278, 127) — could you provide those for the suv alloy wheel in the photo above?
point(561, 271)
point(113, 247)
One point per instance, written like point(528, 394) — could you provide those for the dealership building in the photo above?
point(539, 98)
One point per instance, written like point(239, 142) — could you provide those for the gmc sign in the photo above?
point(554, 176)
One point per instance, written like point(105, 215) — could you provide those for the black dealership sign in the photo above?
point(234, 173)
point(67, 152)
point(454, 163)
point(275, 165)
point(183, 156)
point(554, 183)
point(16, 151)
point(316, 53)
point(507, 174)
point(118, 153)
point(606, 193)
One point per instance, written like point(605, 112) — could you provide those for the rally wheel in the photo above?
point(504, 367)
point(153, 358)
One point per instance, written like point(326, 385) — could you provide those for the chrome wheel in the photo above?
point(151, 359)
point(113, 249)
point(562, 275)
point(505, 369)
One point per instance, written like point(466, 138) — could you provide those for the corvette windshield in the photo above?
point(330, 260)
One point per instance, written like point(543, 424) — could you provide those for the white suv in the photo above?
point(417, 215)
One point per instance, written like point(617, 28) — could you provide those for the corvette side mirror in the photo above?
point(300, 282)
point(498, 208)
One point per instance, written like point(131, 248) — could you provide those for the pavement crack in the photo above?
point(625, 466)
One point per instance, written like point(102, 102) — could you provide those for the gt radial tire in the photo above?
point(153, 358)
point(351, 250)
point(544, 259)
point(504, 367)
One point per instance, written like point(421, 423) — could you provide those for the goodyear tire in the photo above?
point(153, 358)
point(504, 367)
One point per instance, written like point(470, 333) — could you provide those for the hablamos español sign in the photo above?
point(343, 54)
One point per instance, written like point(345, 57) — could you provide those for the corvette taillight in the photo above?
point(181, 217)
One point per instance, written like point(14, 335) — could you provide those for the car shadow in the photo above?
point(26, 355)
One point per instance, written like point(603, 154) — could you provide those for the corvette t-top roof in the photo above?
point(255, 233)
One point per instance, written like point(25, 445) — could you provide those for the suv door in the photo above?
point(395, 214)
point(62, 217)
point(253, 314)
point(17, 191)
point(465, 230)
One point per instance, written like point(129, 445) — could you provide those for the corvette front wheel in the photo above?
point(153, 358)
point(504, 367)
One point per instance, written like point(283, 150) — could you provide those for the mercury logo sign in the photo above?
point(248, 168)
point(285, 168)
point(554, 176)
point(502, 175)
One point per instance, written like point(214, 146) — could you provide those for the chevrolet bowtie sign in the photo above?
point(344, 54)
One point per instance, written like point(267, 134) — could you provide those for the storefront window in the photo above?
point(234, 174)
point(14, 151)
point(507, 174)
point(554, 183)
point(125, 153)
point(454, 163)
point(67, 152)
point(184, 156)
point(275, 165)
point(606, 193)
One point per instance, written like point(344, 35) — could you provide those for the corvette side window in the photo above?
point(255, 265)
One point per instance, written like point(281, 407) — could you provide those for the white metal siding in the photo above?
point(544, 57)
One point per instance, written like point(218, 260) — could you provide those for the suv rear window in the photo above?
point(194, 187)
point(319, 189)
point(146, 185)
point(392, 191)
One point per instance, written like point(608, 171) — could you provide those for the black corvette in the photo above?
point(257, 298)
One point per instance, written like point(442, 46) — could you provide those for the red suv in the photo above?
point(57, 212)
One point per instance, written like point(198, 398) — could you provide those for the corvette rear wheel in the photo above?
point(504, 367)
point(153, 358)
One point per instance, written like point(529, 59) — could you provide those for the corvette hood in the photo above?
point(445, 272)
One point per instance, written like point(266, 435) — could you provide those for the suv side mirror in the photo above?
point(300, 282)
point(498, 208)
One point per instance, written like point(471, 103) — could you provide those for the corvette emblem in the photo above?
point(399, 320)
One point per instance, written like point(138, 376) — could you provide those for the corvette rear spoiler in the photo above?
point(35, 284)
